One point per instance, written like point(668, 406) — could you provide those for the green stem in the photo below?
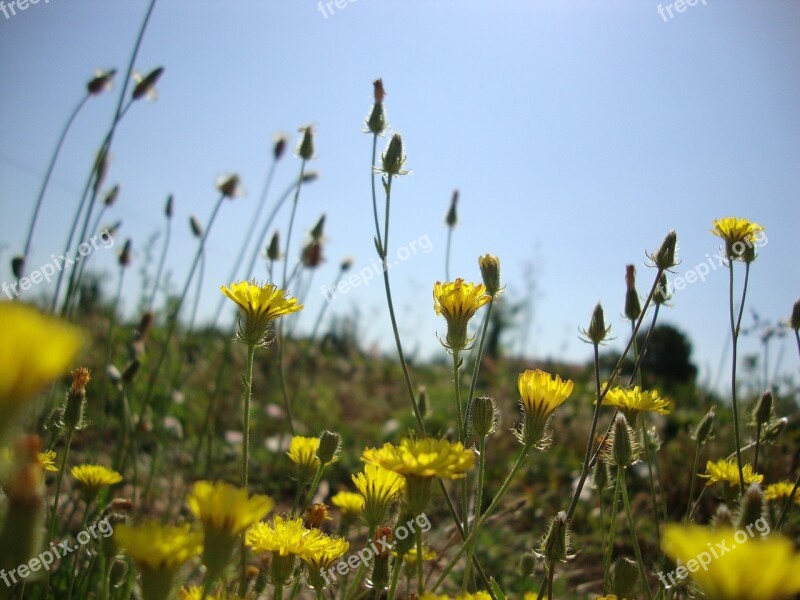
point(313, 488)
point(278, 594)
point(59, 480)
point(632, 528)
point(551, 570)
point(419, 561)
point(476, 369)
point(477, 516)
point(291, 223)
point(611, 534)
point(74, 570)
point(692, 481)
point(248, 390)
point(374, 196)
point(735, 340)
point(788, 503)
point(447, 254)
point(161, 261)
point(651, 478)
point(397, 567)
point(758, 443)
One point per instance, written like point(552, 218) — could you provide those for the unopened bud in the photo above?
point(310, 176)
point(274, 248)
point(376, 122)
point(125, 254)
point(662, 294)
point(101, 82)
point(422, 401)
point(600, 475)
point(624, 577)
point(130, 373)
point(378, 91)
point(794, 321)
point(484, 416)
point(774, 429)
point(633, 307)
point(346, 264)
point(100, 170)
point(723, 518)
point(316, 515)
point(306, 148)
point(229, 186)
point(527, 563)
point(111, 196)
point(393, 158)
point(623, 448)
point(664, 258)
point(311, 254)
point(490, 273)
point(279, 147)
point(146, 86)
point(197, 229)
point(329, 446)
point(751, 507)
point(763, 409)
point(316, 232)
point(74, 405)
point(452, 215)
point(703, 429)
point(168, 206)
point(18, 266)
point(597, 331)
point(555, 545)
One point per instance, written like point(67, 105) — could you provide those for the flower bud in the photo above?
point(311, 254)
point(723, 518)
point(422, 401)
point(794, 321)
point(306, 148)
point(346, 264)
point(379, 578)
point(329, 446)
point(197, 229)
point(600, 475)
point(130, 372)
point(751, 507)
point(527, 563)
point(316, 232)
point(125, 254)
point(376, 122)
point(168, 206)
point(664, 258)
point(111, 196)
point(18, 266)
point(101, 82)
point(393, 158)
point(100, 170)
point(490, 273)
point(452, 215)
point(316, 515)
point(662, 294)
point(555, 544)
point(310, 176)
point(279, 147)
point(775, 428)
point(624, 576)
point(484, 416)
point(633, 307)
point(146, 86)
point(378, 91)
point(763, 409)
point(703, 429)
point(274, 248)
point(623, 449)
point(74, 405)
point(597, 331)
point(229, 185)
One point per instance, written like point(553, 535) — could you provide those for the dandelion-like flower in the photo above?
point(303, 453)
point(458, 301)
point(259, 305)
point(47, 460)
point(146, 84)
point(635, 401)
point(766, 567)
point(95, 477)
point(320, 556)
point(780, 491)
point(229, 185)
point(727, 471)
point(350, 503)
point(286, 539)
point(159, 551)
point(425, 457)
point(36, 349)
point(196, 593)
point(379, 488)
point(739, 235)
point(541, 393)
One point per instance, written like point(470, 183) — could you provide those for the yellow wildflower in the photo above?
point(259, 305)
point(458, 301)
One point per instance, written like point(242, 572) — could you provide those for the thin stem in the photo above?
point(651, 478)
point(419, 561)
point(312, 490)
point(611, 534)
point(476, 369)
point(374, 197)
point(74, 572)
point(48, 174)
point(758, 443)
point(735, 340)
point(447, 254)
point(112, 321)
point(397, 567)
point(477, 509)
point(789, 500)
point(287, 405)
point(551, 569)
point(692, 481)
point(632, 528)
point(278, 594)
point(59, 480)
point(161, 262)
point(248, 390)
point(291, 224)
point(595, 418)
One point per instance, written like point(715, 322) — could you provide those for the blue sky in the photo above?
point(578, 134)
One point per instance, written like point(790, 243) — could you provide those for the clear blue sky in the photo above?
point(578, 134)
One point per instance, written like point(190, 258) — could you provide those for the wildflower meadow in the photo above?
point(162, 455)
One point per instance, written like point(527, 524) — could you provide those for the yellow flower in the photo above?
point(320, 555)
point(458, 301)
point(303, 453)
point(739, 235)
point(426, 457)
point(728, 565)
point(780, 491)
point(635, 401)
point(196, 593)
point(475, 596)
point(284, 537)
point(410, 557)
point(727, 471)
point(158, 551)
point(541, 393)
point(94, 477)
point(47, 460)
point(36, 350)
point(223, 507)
point(350, 503)
point(379, 487)
point(259, 305)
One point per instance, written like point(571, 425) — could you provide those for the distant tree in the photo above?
point(668, 356)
